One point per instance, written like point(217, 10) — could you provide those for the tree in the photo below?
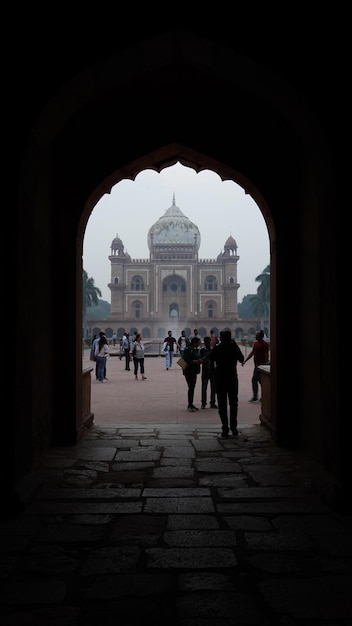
point(90, 296)
point(260, 302)
point(264, 287)
point(245, 309)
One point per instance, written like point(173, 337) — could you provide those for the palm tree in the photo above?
point(90, 296)
point(264, 280)
point(260, 302)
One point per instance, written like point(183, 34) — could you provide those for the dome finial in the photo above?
point(173, 200)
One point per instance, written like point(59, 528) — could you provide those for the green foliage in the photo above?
point(90, 292)
point(258, 304)
point(99, 311)
point(90, 297)
point(245, 309)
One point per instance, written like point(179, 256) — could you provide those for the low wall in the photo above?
point(265, 416)
point(87, 417)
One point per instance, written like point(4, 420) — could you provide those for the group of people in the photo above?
point(216, 360)
point(218, 364)
point(131, 347)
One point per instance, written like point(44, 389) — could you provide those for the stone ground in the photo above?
point(164, 522)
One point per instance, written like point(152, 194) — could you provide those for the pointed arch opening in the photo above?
point(165, 158)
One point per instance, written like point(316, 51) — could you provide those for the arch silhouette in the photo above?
point(88, 137)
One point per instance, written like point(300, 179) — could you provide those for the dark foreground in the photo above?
point(172, 525)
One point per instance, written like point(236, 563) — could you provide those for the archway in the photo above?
point(189, 159)
point(77, 151)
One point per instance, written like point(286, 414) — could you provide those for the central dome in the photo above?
point(174, 228)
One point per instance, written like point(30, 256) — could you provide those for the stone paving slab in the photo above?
point(260, 493)
point(103, 492)
point(223, 480)
point(84, 508)
point(172, 461)
point(247, 522)
point(271, 508)
point(140, 454)
point(174, 472)
point(92, 453)
point(192, 538)
point(179, 505)
point(211, 466)
point(184, 529)
point(177, 492)
point(191, 522)
point(179, 452)
point(191, 558)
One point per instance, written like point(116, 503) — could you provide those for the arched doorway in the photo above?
point(173, 283)
point(80, 148)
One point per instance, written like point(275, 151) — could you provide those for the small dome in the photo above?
point(174, 228)
point(117, 244)
point(230, 243)
point(118, 249)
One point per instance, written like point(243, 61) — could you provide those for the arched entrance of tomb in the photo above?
point(91, 136)
point(157, 161)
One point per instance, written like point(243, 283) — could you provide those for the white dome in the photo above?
point(174, 228)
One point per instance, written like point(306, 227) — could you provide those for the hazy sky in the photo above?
point(219, 209)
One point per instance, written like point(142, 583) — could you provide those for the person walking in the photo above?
point(126, 350)
point(207, 375)
point(192, 357)
point(138, 356)
point(260, 354)
point(101, 352)
point(182, 342)
point(169, 345)
point(223, 358)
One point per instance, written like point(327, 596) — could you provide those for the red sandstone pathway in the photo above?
point(162, 398)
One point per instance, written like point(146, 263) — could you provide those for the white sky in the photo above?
point(219, 209)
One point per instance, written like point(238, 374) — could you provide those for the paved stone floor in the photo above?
point(169, 524)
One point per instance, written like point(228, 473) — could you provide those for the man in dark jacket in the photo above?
point(224, 358)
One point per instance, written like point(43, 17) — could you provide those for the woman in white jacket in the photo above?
point(101, 352)
point(138, 356)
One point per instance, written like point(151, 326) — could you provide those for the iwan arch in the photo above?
point(89, 136)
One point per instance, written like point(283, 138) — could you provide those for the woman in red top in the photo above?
point(260, 354)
